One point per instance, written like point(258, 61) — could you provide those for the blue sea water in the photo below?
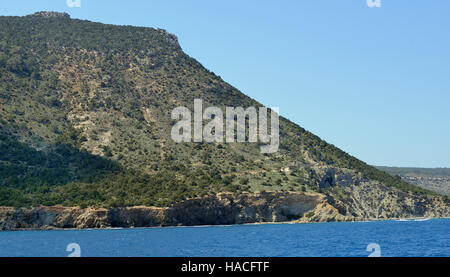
point(395, 238)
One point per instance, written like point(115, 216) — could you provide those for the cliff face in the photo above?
point(370, 200)
point(224, 209)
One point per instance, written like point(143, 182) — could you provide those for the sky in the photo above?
point(375, 82)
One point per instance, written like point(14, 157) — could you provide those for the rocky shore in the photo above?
point(221, 209)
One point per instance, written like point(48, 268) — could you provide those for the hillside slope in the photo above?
point(85, 120)
point(434, 179)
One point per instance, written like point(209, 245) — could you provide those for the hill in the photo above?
point(85, 120)
point(434, 179)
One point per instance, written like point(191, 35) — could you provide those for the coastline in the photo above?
point(293, 222)
point(418, 219)
point(223, 209)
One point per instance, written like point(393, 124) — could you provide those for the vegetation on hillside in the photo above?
point(434, 179)
point(85, 120)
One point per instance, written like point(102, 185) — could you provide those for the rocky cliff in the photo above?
point(227, 208)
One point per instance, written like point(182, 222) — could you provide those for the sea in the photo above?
point(405, 238)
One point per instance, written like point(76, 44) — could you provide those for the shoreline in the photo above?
point(225, 209)
point(411, 219)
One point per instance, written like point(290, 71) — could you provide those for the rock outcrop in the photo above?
point(227, 208)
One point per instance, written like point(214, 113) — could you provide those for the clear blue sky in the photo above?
point(374, 82)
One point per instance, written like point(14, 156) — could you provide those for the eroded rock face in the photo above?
point(346, 179)
point(245, 208)
point(224, 208)
point(329, 179)
point(370, 200)
point(137, 217)
point(364, 202)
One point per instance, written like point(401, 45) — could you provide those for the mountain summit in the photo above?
point(85, 120)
